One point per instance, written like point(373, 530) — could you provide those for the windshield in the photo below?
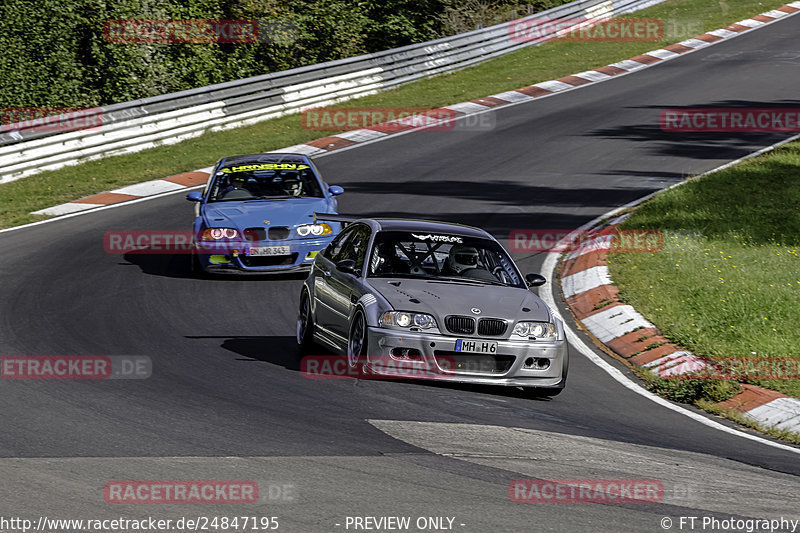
point(441, 256)
point(265, 180)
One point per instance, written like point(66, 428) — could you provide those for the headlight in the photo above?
point(405, 319)
point(215, 234)
point(314, 229)
point(538, 330)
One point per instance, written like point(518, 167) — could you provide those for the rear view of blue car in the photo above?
point(256, 215)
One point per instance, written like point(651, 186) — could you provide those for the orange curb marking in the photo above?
point(188, 179)
point(330, 143)
point(750, 398)
point(611, 70)
point(646, 59)
point(584, 262)
point(489, 101)
point(738, 28)
point(678, 48)
point(533, 91)
point(656, 353)
point(709, 38)
point(788, 9)
point(574, 80)
point(628, 344)
point(606, 305)
point(763, 18)
point(587, 303)
point(444, 113)
point(106, 198)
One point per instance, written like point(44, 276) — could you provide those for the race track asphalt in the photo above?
point(226, 399)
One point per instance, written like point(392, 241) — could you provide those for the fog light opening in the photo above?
point(407, 354)
point(217, 259)
point(537, 363)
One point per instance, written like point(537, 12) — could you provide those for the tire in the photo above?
point(195, 267)
point(305, 324)
point(357, 340)
point(194, 264)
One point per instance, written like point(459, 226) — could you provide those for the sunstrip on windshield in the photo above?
point(264, 166)
point(438, 238)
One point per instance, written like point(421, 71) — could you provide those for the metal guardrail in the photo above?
point(167, 119)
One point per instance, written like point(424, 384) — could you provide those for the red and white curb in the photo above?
point(592, 297)
point(479, 105)
point(187, 180)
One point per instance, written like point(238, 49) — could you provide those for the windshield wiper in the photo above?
point(471, 280)
point(267, 198)
point(401, 275)
point(227, 200)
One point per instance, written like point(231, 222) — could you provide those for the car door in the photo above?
point(324, 266)
point(345, 287)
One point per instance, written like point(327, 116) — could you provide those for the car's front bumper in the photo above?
point(235, 257)
point(516, 363)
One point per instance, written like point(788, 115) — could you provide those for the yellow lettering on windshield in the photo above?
point(264, 166)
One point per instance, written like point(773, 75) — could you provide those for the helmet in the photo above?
point(462, 258)
point(292, 185)
point(238, 180)
point(381, 259)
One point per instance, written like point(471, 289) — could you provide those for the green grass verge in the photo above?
point(684, 18)
point(689, 391)
point(727, 283)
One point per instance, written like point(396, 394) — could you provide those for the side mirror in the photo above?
point(335, 190)
point(535, 280)
point(195, 196)
point(347, 266)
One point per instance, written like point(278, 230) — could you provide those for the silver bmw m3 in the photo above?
point(439, 300)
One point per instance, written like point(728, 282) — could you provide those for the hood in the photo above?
point(442, 298)
point(279, 212)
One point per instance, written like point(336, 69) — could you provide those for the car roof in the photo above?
point(406, 224)
point(270, 157)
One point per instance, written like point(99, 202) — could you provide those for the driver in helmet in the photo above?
point(239, 180)
point(461, 258)
point(292, 185)
point(236, 181)
point(386, 261)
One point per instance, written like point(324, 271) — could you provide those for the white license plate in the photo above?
point(475, 346)
point(270, 250)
